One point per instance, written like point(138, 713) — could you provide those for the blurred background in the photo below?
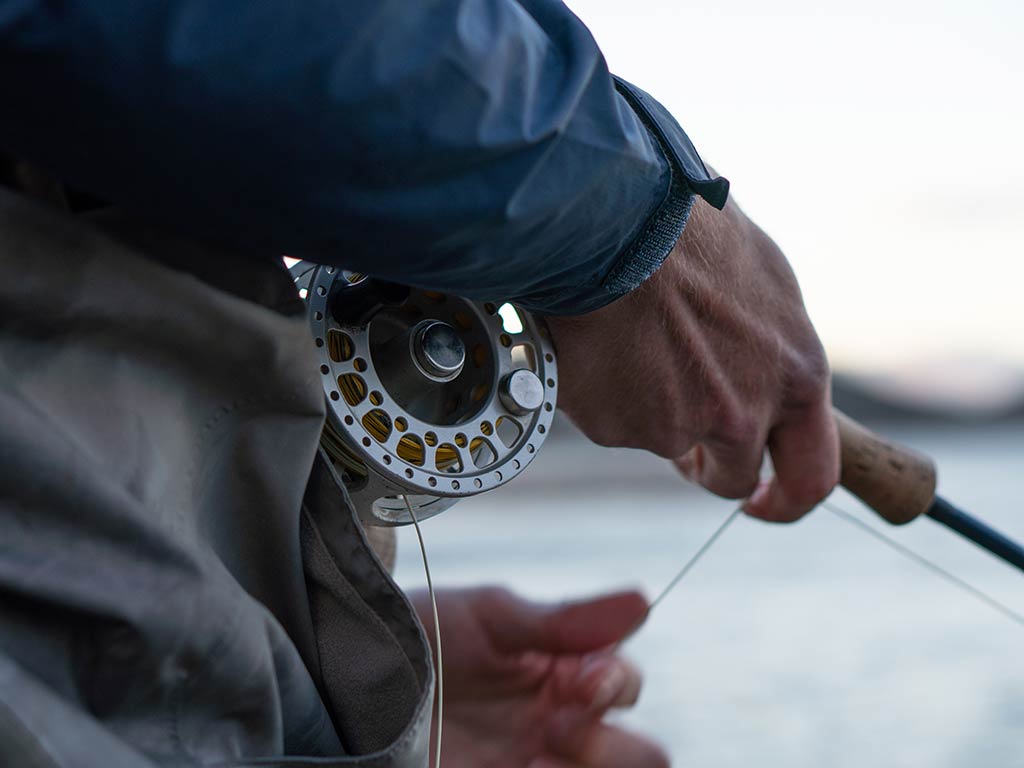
point(879, 143)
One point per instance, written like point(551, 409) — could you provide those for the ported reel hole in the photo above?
point(461, 441)
point(378, 424)
point(352, 387)
point(352, 278)
point(524, 356)
point(430, 439)
point(486, 428)
point(410, 449)
point(480, 391)
point(480, 355)
point(511, 320)
point(509, 431)
point(401, 424)
point(482, 453)
point(447, 458)
point(340, 346)
point(359, 364)
point(376, 397)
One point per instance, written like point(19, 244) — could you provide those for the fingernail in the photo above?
point(760, 494)
point(609, 687)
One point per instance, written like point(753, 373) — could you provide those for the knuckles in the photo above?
point(808, 377)
point(740, 428)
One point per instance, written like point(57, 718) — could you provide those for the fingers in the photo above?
point(731, 472)
point(606, 682)
point(516, 625)
point(593, 744)
point(805, 455)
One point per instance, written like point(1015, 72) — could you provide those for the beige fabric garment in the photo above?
point(172, 592)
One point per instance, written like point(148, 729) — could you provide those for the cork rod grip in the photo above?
point(895, 481)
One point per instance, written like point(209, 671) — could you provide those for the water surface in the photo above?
point(804, 645)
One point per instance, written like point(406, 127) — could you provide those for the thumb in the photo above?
point(579, 626)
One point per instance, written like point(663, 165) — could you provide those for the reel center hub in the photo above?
point(438, 350)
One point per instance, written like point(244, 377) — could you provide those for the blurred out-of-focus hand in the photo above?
point(528, 685)
point(708, 363)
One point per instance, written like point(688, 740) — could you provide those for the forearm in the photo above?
point(473, 147)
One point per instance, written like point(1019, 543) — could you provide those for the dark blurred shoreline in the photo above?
point(569, 459)
point(874, 403)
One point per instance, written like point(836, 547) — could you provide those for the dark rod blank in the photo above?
point(975, 530)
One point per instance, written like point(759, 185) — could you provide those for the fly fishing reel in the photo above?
point(430, 397)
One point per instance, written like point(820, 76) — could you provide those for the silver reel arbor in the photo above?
point(430, 397)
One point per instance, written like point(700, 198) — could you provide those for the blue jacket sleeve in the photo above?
point(473, 146)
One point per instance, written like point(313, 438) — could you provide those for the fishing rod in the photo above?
point(899, 483)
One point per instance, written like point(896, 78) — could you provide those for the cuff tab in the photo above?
point(682, 154)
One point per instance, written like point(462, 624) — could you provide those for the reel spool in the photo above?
point(430, 397)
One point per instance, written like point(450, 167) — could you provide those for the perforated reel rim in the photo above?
point(382, 458)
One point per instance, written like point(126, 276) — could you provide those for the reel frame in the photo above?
point(396, 431)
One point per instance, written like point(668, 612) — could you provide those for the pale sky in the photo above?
point(880, 143)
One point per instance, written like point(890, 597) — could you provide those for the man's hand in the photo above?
point(527, 685)
point(709, 362)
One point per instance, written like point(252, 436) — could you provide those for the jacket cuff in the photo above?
point(689, 177)
point(655, 238)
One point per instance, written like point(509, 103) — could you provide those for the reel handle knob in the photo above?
point(897, 482)
point(522, 392)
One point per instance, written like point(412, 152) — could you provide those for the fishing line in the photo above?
point(687, 567)
point(925, 562)
point(852, 520)
point(437, 631)
point(694, 559)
